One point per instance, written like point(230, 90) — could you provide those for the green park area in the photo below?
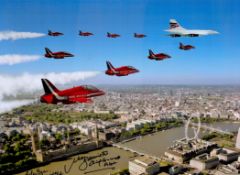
point(56, 114)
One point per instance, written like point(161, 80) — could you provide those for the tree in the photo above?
point(58, 137)
point(125, 135)
point(17, 147)
point(44, 143)
point(7, 148)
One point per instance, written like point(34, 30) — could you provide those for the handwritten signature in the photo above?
point(100, 160)
point(42, 172)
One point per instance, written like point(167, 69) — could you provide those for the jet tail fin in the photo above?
point(174, 24)
point(48, 51)
point(80, 32)
point(48, 87)
point(181, 45)
point(150, 52)
point(49, 32)
point(109, 65)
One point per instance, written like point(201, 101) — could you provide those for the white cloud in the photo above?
point(30, 83)
point(9, 105)
point(11, 59)
point(13, 35)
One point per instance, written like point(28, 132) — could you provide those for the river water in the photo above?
point(155, 144)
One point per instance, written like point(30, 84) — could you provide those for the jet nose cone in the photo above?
point(214, 32)
point(99, 93)
point(136, 70)
point(102, 93)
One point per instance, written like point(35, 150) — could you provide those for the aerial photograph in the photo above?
point(119, 87)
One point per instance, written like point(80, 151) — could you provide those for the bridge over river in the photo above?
point(212, 129)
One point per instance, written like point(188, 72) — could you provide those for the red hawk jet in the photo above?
point(57, 55)
point(85, 33)
point(112, 35)
point(139, 35)
point(121, 71)
point(79, 94)
point(185, 47)
point(160, 56)
point(50, 33)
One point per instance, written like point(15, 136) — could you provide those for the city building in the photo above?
point(204, 161)
point(174, 170)
point(137, 124)
point(184, 150)
point(231, 169)
point(143, 165)
point(225, 155)
point(238, 139)
point(66, 151)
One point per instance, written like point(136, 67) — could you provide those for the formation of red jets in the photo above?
point(83, 94)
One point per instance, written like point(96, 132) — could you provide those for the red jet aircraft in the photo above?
point(139, 35)
point(85, 33)
point(79, 94)
point(56, 55)
point(50, 33)
point(185, 47)
point(160, 56)
point(121, 71)
point(112, 35)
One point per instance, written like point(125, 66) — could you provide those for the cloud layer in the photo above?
point(13, 85)
point(13, 35)
point(9, 105)
point(11, 59)
point(30, 83)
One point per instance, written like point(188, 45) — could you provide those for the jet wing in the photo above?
point(191, 33)
point(195, 32)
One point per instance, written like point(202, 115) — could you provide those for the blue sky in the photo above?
point(214, 61)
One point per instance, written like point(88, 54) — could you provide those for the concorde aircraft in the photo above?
point(176, 30)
